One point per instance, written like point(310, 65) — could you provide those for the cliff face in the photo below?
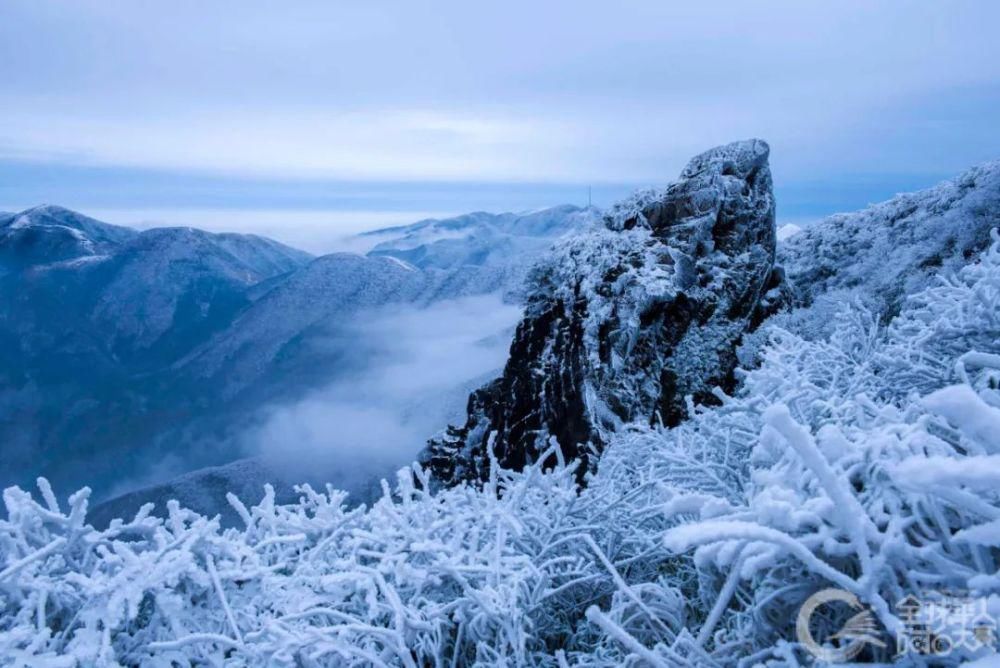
point(625, 323)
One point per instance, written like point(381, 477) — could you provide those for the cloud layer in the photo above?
point(420, 365)
point(562, 91)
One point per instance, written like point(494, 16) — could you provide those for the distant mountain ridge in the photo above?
point(480, 238)
point(123, 346)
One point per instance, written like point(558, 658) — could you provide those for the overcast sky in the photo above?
point(360, 111)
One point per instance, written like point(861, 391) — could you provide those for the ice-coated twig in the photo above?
point(595, 616)
point(39, 554)
point(210, 562)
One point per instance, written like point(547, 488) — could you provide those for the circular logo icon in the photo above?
point(858, 631)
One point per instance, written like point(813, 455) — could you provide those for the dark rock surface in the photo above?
point(632, 321)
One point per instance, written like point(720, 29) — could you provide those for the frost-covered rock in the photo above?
point(627, 322)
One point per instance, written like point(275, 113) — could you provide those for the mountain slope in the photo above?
point(164, 345)
point(307, 332)
point(288, 330)
point(168, 288)
point(427, 262)
point(889, 250)
point(87, 333)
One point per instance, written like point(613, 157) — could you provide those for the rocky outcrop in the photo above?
point(631, 322)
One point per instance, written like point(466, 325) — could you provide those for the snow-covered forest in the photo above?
point(865, 459)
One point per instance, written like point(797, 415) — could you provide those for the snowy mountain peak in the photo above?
point(246, 258)
point(49, 215)
point(49, 234)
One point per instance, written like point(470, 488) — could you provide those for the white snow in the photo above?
point(405, 265)
point(963, 408)
point(787, 231)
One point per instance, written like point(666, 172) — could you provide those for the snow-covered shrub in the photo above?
point(494, 576)
point(874, 471)
point(887, 251)
point(947, 331)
